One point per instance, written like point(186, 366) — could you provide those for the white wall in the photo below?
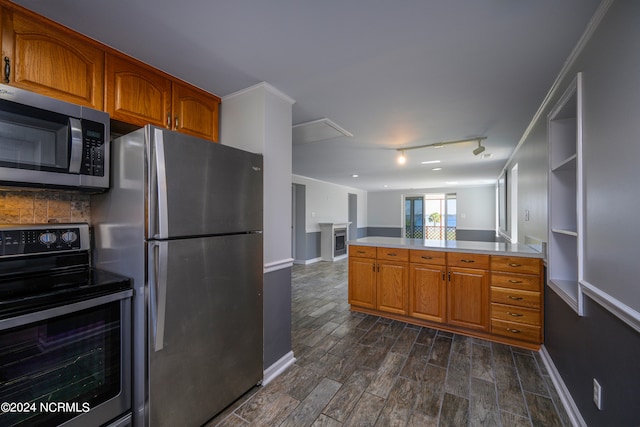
point(258, 119)
point(328, 202)
point(476, 207)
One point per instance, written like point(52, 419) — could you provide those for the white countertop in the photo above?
point(490, 248)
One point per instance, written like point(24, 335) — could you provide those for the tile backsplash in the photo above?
point(36, 207)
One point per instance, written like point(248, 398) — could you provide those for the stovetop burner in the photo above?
point(42, 266)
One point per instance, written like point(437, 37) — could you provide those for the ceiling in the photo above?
point(395, 74)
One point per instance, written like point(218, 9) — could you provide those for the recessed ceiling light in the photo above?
point(355, 175)
point(451, 182)
point(430, 162)
point(385, 186)
point(436, 169)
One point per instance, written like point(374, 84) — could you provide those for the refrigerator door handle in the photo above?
point(158, 292)
point(161, 176)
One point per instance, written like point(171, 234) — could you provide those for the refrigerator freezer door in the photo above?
point(201, 188)
point(207, 312)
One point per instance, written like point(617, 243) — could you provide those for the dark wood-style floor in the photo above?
point(360, 370)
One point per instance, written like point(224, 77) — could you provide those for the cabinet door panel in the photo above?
point(195, 112)
point(428, 297)
point(54, 62)
point(392, 287)
point(135, 94)
point(362, 282)
point(468, 298)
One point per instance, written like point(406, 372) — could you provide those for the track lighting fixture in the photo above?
point(480, 149)
point(402, 158)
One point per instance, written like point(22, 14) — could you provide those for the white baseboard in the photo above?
point(565, 397)
point(277, 368)
point(309, 261)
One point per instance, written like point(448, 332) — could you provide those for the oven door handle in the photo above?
point(158, 292)
point(26, 319)
point(75, 142)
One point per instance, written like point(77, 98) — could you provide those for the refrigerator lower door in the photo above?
point(205, 326)
point(199, 188)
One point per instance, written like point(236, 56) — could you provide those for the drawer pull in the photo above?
point(426, 257)
point(513, 264)
point(392, 254)
point(513, 331)
point(362, 252)
point(467, 260)
point(515, 298)
point(515, 281)
point(514, 314)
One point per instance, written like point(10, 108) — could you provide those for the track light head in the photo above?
point(480, 149)
point(402, 159)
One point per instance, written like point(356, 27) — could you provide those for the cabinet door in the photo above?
point(427, 298)
point(52, 60)
point(468, 298)
point(393, 281)
point(362, 282)
point(195, 112)
point(136, 94)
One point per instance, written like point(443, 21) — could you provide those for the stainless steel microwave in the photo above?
point(46, 142)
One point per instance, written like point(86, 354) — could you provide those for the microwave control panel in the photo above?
point(93, 143)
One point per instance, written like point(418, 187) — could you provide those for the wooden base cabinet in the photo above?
point(493, 297)
point(428, 286)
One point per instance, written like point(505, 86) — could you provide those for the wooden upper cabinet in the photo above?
point(50, 59)
point(195, 112)
point(136, 94)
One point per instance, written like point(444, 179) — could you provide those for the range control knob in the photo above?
point(47, 238)
point(69, 237)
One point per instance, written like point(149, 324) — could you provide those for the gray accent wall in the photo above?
point(384, 231)
point(476, 235)
point(596, 346)
point(277, 315)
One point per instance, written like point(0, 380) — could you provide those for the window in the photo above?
point(414, 217)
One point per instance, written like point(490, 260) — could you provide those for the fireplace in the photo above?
point(340, 241)
point(333, 240)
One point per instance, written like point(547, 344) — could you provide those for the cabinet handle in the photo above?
point(514, 314)
point(515, 265)
point(378, 268)
point(467, 260)
point(361, 252)
point(7, 69)
point(515, 298)
point(426, 257)
point(513, 331)
point(449, 276)
point(177, 123)
point(515, 281)
point(168, 120)
point(442, 276)
point(392, 254)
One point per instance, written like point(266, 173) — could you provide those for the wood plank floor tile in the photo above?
point(311, 407)
point(431, 391)
point(462, 344)
point(387, 375)
point(483, 405)
point(267, 409)
point(366, 411)
point(459, 375)
point(510, 396)
point(405, 341)
point(512, 420)
point(530, 376)
point(400, 402)
point(346, 398)
point(440, 351)
point(416, 362)
point(426, 336)
point(324, 421)
point(542, 411)
point(454, 411)
point(482, 363)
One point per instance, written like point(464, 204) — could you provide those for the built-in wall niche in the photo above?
point(333, 240)
point(566, 196)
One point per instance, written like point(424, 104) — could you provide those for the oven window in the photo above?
point(72, 361)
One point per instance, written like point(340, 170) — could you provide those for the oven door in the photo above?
point(68, 365)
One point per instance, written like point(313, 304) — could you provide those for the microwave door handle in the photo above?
point(158, 292)
point(75, 143)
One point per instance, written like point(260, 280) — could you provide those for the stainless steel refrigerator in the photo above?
point(183, 219)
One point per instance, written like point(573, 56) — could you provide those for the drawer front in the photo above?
point(516, 264)
point(515, 297)
point(393, 254)
point(517, 331)
point(362, 251)
point(512, 313)
point(457, 259)
point(515, 281)
point(428, 257)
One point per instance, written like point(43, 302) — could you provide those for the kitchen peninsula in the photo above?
point(488, 290)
